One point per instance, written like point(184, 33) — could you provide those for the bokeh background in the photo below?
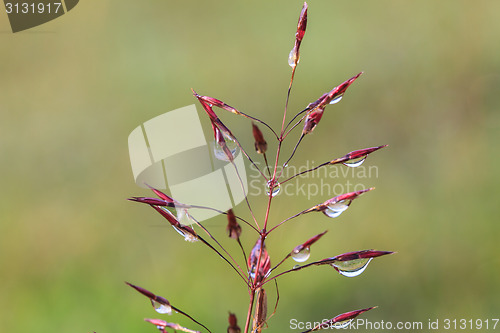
point(73, 89)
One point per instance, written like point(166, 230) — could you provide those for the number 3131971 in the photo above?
point(33, 8)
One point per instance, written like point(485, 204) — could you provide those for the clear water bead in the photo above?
point(352, 268)
point(337, 208)
point(161, 308)
point(342, 324)
point(336, 99)
point(291, 58)
point(302, 255)
point(231, 144)
point(276, 188)
point(184, 217)
point(355, 163)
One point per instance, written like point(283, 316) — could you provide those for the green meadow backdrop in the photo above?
point(73, 89)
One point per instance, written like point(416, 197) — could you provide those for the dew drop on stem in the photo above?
point(351, 268)
point(276, 188)
point(302, 255)
point(292, 57)
point(334, 210)
point(336, 99)
point(161, 308)
point(342, 324)
point(231, 144)
point(356, 162)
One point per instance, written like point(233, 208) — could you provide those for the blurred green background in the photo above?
point(73, 89)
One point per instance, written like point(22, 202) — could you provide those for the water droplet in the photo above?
point(292, 57)
point(336, 99)
point(355, 163)
point(342, 324)
point(337, 208)
point(187, 236)
point(351, 268)
point(184, 217)
point(231, 144)
point(296, 267)
point(276, 189)
point(161, 308)
point(302, 255)
point(252, 272)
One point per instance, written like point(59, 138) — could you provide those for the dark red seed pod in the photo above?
point(233, 228)
point(233, 324)
point(334, 95)
point(360, 255)
point(309, 242)
point(260, 142)
point(294, 57)
point(340, 321)
point(312, 121)
point(346, 196)
point(362, 152)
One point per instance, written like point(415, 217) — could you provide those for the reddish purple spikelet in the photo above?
point(233, 324)
point(233, 228)
point(206, 106)
point(294, 57)
point(309, 242)
point(216, 102)
point(161, 195)
point(221, 141)
point(186, 231)
point(336, 92)
point(360, 255)
point(264, 263)
point(260, 142)
point(312, 121)
point(362, 152)
point(345, 196)
point(347, 316)
point(156, 301)
point(151, 201)
point(162, 325)
point(167, 215)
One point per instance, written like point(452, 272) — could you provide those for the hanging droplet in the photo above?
point(337, 208)
point(276, 189)
point(161, 308)
point(342, 324)
point(188, 237)
point(336, 99)
point(351, 268)
point(252, 272)
point(355, 163)
point(292, 57)
point(184, 217)
point(231, 144)
point(302, 255)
